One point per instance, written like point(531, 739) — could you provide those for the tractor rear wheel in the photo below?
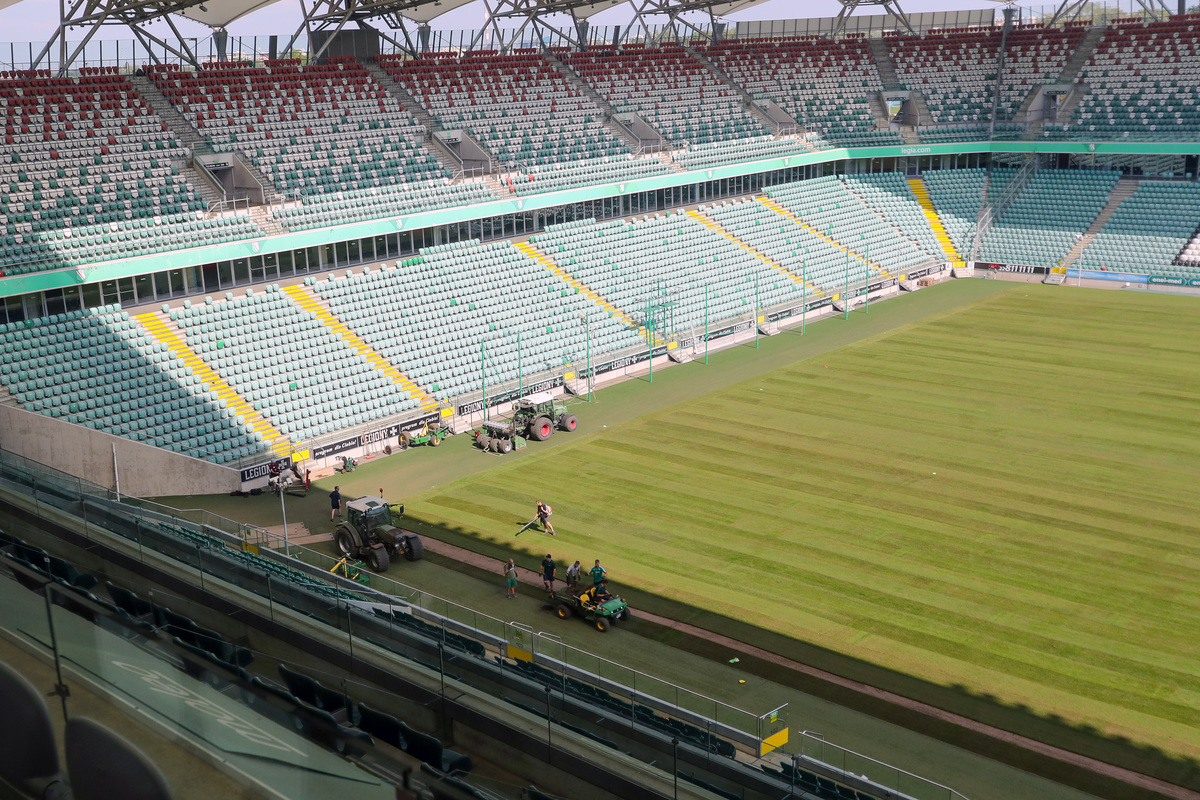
point(346, 543)
point(569, 423)
point(563, 611)
point(378, 559)
point(601, 624)
point(505, 446)
point(414, 549)
point(541, 429)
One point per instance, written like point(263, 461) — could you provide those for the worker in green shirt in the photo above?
point(598, 573)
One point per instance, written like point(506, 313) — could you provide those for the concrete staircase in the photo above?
point(185, 133)
point(1120, 193)
point(167, 333)
point(318, 309)
point(879, 111)
point(1080, 57)
point(924, 117)
point(883, 62)
point(443, 154)
point(579, 83)
point(263, 219)
point(919, 191)
point(717, 228)
point(583, 289)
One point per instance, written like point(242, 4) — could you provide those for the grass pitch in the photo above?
point(1000, 498)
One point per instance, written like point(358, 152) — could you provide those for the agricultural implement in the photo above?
point(534, 417)
point(431, 435)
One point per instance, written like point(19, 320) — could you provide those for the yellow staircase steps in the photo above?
point(778, 209)
point(537, 255)
point(717, 227)
point(158, 328)
point(306, 301)
point(939, 230)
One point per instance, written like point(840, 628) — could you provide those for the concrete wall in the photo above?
point(145, 471)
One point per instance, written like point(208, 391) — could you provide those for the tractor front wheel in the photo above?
point(601, 624)
point(434, 440)
point(378, 559)
point(541, 429)
point(563, 611)
point(345, 543)
point(626, 614)
point(405, 441)
point(569, 423)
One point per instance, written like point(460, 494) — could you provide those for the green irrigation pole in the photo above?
point(650, 338)
point(706, 323)
point(587, 333)
point(483, 375)
point(846, 296)
point(756, 309)
point(803, 296)
point(520, 380)
point(867, 271)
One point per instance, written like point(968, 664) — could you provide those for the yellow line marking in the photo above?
point(306, 301)
point(156, 327)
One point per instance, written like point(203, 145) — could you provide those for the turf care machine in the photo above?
point(533, 417)
point(370, 532)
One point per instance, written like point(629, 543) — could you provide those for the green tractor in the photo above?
point(371, 533)
point(534, 417)
point(601, 616)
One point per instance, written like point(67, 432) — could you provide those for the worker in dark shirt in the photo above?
point(548, 571)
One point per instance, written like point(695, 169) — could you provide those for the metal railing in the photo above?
point(814, 748)
point(992, 211)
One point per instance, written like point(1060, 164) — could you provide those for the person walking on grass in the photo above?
point(510, 579)
point(598, 574)
point(335, 500)
point(573, 575)
point(548, 573)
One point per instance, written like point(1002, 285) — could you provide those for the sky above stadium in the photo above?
point(35, 20)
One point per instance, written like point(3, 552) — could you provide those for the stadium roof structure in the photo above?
point(409, 19)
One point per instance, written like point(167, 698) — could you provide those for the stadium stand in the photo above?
point(1142, 81)
point(670, 89)
point(954, 70)
point(1147, 232)
point(823, 84)
point(524, 112)
point(756, 147)
point(957, 195)
point(1034, 55)
point(101, 369)
point(628, 263)
point(800, 250)
point(830, 205)
point(891, 197)
point(296, 371)
point(327, 132)
point(431, 314)
point(1051, 213)
point(87, 176)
